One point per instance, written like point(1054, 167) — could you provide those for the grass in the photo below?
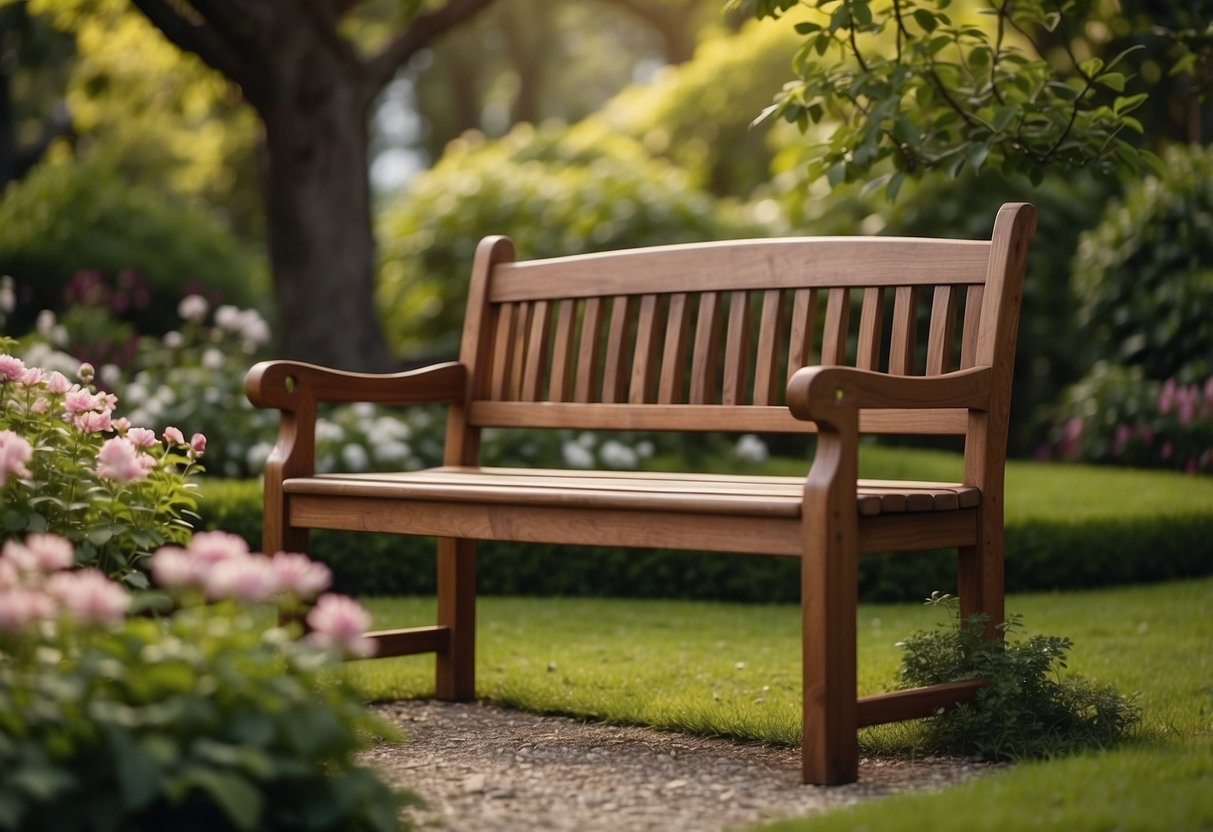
point(722, 669)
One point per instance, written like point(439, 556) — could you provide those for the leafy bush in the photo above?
point(202, 719)
point(137, 251)
point(1116, 416)
point(1026, 710)
point(116, 498)
point(1144, 275)
point(552, 194)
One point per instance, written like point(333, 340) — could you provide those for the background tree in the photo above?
point(312, 87)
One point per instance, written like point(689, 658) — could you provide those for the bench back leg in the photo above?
point(456, 665)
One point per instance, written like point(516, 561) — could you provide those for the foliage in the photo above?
point(698, 114)
point(201, 719)
point(1026, 709)
point(552, 194)
point(1116, 416)
point(67, 465)
point(916, 86)
point(133, 244)
point(1144, 275)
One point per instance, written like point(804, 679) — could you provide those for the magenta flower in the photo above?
point(300, 576)
point(198, 444)
point(173, 435)
point(89, 597)
point(120, 461)
point(15, 451)
point(250, 579)
point(339, 622)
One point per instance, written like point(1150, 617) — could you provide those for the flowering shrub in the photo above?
point(202, 719)
point(1116, 416)
point(69, 465)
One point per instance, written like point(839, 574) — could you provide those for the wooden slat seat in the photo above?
point(793, 335)
point(634, 491)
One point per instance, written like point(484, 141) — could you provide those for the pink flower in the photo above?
point(339, 622)
point(51, 552)
point(89, 597)
point(141, 437)
point(14, 453)
point(250, 579)
point(198, 444)
point(300, 576)
point(173, 436)
point(118, 460)
point(123, 424)
point(21, 607)
point(11, 368)
point(90, 421)
point(79, 401)
point(174, 567)
point(212, 547)
point(9, 576)
point(32, 376)
point(1123, 434)
point(1166, 396)
point(40, 406)
point(58, 383)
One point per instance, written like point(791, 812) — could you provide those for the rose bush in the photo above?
point(206, 718)
point(69, 465)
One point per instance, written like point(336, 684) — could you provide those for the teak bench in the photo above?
point(748, 336)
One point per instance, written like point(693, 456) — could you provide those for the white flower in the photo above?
point(575, 456)
point(193, 308)
point(212, 359)
point(327, 431)
point(228, 317)
point(173, 339)
point(615, 454)
point(46, 323)
point(751, 449)
point(258, 454)
point(355, 457)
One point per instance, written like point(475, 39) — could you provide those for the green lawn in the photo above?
point(733, 670)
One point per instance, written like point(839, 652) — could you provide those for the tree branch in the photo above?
point(202, 39)
point(417, 35)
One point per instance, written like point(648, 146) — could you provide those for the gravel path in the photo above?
point(482, 768)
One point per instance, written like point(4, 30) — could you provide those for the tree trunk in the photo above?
point(317, 198)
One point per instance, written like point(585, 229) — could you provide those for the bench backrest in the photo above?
point(704, 336)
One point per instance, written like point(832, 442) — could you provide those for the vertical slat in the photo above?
point(706, 352)
point(674, 351)
point(562, 352)
point(615, 370)
point(533, 376)
point(834, 338)
point(736, 350)
point(943, 325)
point(770, 336)
point(800, 335)
point(518, 352)
point(870, 319)
point(644, 355)
point(901, 339)
point(503, 351)
point(968, 338)
point(589, 351)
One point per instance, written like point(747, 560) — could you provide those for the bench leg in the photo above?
point(829, 584)
point(456, 667)
point(980, 577)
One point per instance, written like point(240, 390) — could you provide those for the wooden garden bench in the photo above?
point(748, 336)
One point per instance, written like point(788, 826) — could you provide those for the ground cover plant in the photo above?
point(733, 670)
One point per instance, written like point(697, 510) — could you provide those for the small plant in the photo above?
point(69, 465)
point(208, 718)
point(1026, 710)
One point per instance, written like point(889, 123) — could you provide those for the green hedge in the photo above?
point(1047, 548)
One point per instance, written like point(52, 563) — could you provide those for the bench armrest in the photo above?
point(294, 385)
point(825, 393)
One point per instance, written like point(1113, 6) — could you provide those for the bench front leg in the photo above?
point(456, 664)
point(828, 599)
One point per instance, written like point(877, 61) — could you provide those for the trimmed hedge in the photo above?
point(1043, 552)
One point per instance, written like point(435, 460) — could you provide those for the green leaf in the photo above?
point(101, 536)
point(1113, 81)
point(926, 20)
point(807, 28)
point(233, 794)
point(1003, 116)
